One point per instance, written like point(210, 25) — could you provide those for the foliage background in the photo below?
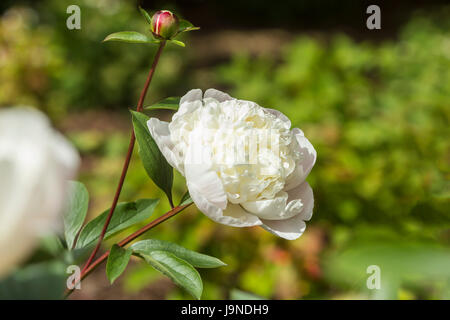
point(375, 104)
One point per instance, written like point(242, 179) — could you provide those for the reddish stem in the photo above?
point(127, 159)
point(130, 238)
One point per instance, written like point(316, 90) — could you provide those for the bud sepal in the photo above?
point(186, 26)
point(164, 25)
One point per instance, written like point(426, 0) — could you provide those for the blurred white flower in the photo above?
point(35, 164)
point(243, 164)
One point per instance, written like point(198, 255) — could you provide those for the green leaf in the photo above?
point(125, 215)
point(41, 281)
point(75, 212)
point(186, 26)
point(117, 262)
point(154, 162)
point(196, 259)
point(178, 43)
point(129, 36)
point(146, 15)
point(171, 103)
point(180, 271)
point(185, 199)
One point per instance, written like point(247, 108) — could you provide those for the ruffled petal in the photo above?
point(294, 227)
point(233, 215)
point(206, 181)
point(290, 229)
point(278, 208)
point(306, 162)
point(218, 95)
point(190, 102)
point(305, 193)
point(161, 134)
point(279, 115)
point(186, 108)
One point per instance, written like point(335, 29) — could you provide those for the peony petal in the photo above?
point(275, 209)
point(189, 103)
point(186, 108)
point(294, 227)
point(306, 162)
point(218, 95)
point(279, 115)
point(207, 182)
point(161, 134)
point(303, 192)
point(233, 215)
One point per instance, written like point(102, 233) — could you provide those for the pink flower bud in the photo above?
point(164, 24)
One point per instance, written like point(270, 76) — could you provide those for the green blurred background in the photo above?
point(375, 104)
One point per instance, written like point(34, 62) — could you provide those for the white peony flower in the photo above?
point(35, 164)
point(243, 164)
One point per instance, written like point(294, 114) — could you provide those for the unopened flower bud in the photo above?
point(164, 24)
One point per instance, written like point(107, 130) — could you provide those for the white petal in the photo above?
point(290, 229)
point(294, 227)
point(191, 96)
point(161, 134)
point(303, 192)
point(279, 208)
point(206, 182)
point(185, 108)
point(206, 190)
point(306, 162)
point(218, 95)
point(189, 103)
point(279, 115)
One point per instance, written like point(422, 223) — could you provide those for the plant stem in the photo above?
point(127, 159)
point(130, 238)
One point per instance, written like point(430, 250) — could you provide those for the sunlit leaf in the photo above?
point(125, 215)
point(171, 103)
point(75, 212)
point(117, 262)
point(180, 271)
point(196, 259)
point(178, 43)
